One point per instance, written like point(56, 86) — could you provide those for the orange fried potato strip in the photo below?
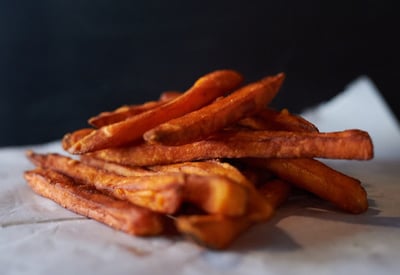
point(218, 231)
point(216, 194)
point(87, 201)
point(343, 191)
point(212, 192)
point(119, 169)
point(283, 120)
point(126, 111)
point(349, 144)
point(169, 95)
point(122, 113)
point(204, 90)
point(70, 139)
point(160, 193)
point(210, 167)
point(202, 123)
point(258, 209)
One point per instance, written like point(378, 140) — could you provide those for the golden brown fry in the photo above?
point(122, 170)
point(269, 119)
point(202, 123)
point(343, 191)
point(275, 191)
point(169, 95)
point(160, 193)
point(217, 231)
point(209, 191)
point(213, 186)
point(126, 111)
point(258, 209)
point(212, 231)
point(206, 89)
point(122, 113)
point(87, 201)
point(205, 168)
point(349, 144)
point(72, 138)
point(216, 194)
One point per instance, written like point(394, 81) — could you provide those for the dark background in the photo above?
point(64, 61)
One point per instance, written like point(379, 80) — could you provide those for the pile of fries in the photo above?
point(208, 163)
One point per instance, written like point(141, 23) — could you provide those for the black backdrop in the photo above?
point(64, 61)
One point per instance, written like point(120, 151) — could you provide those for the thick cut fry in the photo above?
point(205, 168)
point(205, 90)
point(258, 209)
point(343, 191)
point(169, 95)
point(212, 231)
point(122, 113)
point(72, 138)
point(214, 193)
point(221, 113)
point(126, 111)
point(160, 193)
point(87, 201)
point(275, 191)
point(213, 186)
point(217, 231)
point(122, 170)
point(309, 174)
point(272, 120)
point(349, 144)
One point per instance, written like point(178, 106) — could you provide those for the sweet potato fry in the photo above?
point(258, 209)
point(209, 191)
point(169, 95)
point(275, 191)
point(217, 231)
point(205, 186)
point(272, 120)
point(343, 191)
point(202, 123)
point(204, 90)
point(349, 144)
point(122, 170)
point(160, 193)
point(122, 113)
point(89, 202)
point(71, 138)
point(212, 231)
point(216, 194)
point(205, 168)
point(126, 111)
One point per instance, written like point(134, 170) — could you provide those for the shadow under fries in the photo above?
point(274, 236)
